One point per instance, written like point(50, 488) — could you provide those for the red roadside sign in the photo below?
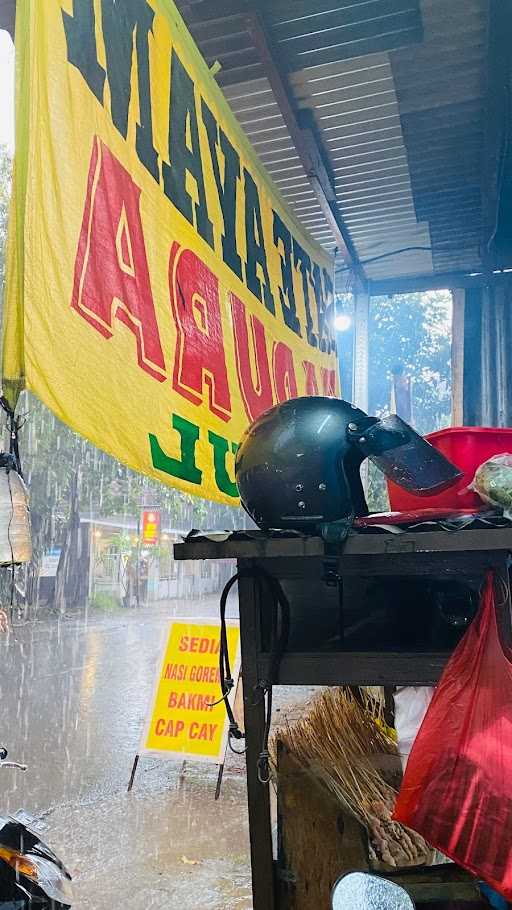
point(150, 527)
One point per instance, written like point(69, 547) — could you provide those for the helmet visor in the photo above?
point(407, 458)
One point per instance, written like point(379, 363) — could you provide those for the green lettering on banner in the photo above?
point(120, 23)
point(80, 29)
point(303, 261)
point(256, 253)
point(185, 467)
point(220, 452)
point(183, 159)
point(286, 293)
point(227, 191)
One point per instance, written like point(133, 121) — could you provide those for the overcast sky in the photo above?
point(6, 90)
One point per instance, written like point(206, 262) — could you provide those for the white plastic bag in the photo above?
point(411, 703)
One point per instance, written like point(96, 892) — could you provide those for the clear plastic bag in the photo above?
point(493, 482)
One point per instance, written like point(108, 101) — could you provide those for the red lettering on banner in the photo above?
point(284, 372)
point(255, 383)
point(200, 357)
point(311, 380)
point(328, 382)
point(111, 269)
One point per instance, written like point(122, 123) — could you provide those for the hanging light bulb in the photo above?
point(15, 536)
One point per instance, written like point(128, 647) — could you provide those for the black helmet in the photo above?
point(298, 465)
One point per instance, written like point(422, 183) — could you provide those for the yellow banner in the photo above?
point(161, 294)
point(185, 717)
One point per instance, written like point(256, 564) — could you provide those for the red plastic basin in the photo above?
point(466, 447)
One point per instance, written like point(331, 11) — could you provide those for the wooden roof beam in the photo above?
point(307, 147)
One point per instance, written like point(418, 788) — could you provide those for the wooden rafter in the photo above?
point(307, 147)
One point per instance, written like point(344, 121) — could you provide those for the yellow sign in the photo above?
point(182, 720)
point(161, 294)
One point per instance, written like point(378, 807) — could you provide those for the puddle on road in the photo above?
point(159, 849)
point(74, 701)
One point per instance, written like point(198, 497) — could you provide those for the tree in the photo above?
point(411, 332)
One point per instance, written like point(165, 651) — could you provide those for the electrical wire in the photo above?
point(279, 633)
point(405, 249)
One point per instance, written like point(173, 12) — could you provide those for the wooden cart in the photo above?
point(328, 588)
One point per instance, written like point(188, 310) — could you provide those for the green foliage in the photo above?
point(105, 603)
point(413, 330)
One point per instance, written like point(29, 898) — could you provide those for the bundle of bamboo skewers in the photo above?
point(341, 743)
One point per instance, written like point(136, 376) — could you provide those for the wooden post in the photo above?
point(254, 718)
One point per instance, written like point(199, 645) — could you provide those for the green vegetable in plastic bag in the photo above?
point(493, 482)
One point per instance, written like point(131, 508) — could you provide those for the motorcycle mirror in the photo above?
point(360, 891)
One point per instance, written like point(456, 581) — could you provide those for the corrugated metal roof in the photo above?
point(258, 113)
point(356, 111)
point(395, 91)
point(440, 88)
point(304, 31)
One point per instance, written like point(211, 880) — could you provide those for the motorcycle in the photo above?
point(361, 891)
point(31, 876)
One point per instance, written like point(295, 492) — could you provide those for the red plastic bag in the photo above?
point(457, 789)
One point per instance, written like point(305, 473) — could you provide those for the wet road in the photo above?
point(73, 701)
point(74, 696)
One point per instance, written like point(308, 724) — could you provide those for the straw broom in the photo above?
point(335, 742)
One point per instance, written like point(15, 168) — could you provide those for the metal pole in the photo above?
point(458, 308)
point(220, 776)
point(361, 345)
point(137, 568)
point(134, 771)
point(361, 362)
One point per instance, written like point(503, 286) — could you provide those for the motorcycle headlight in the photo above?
point(45, 874)
point(21, 864)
